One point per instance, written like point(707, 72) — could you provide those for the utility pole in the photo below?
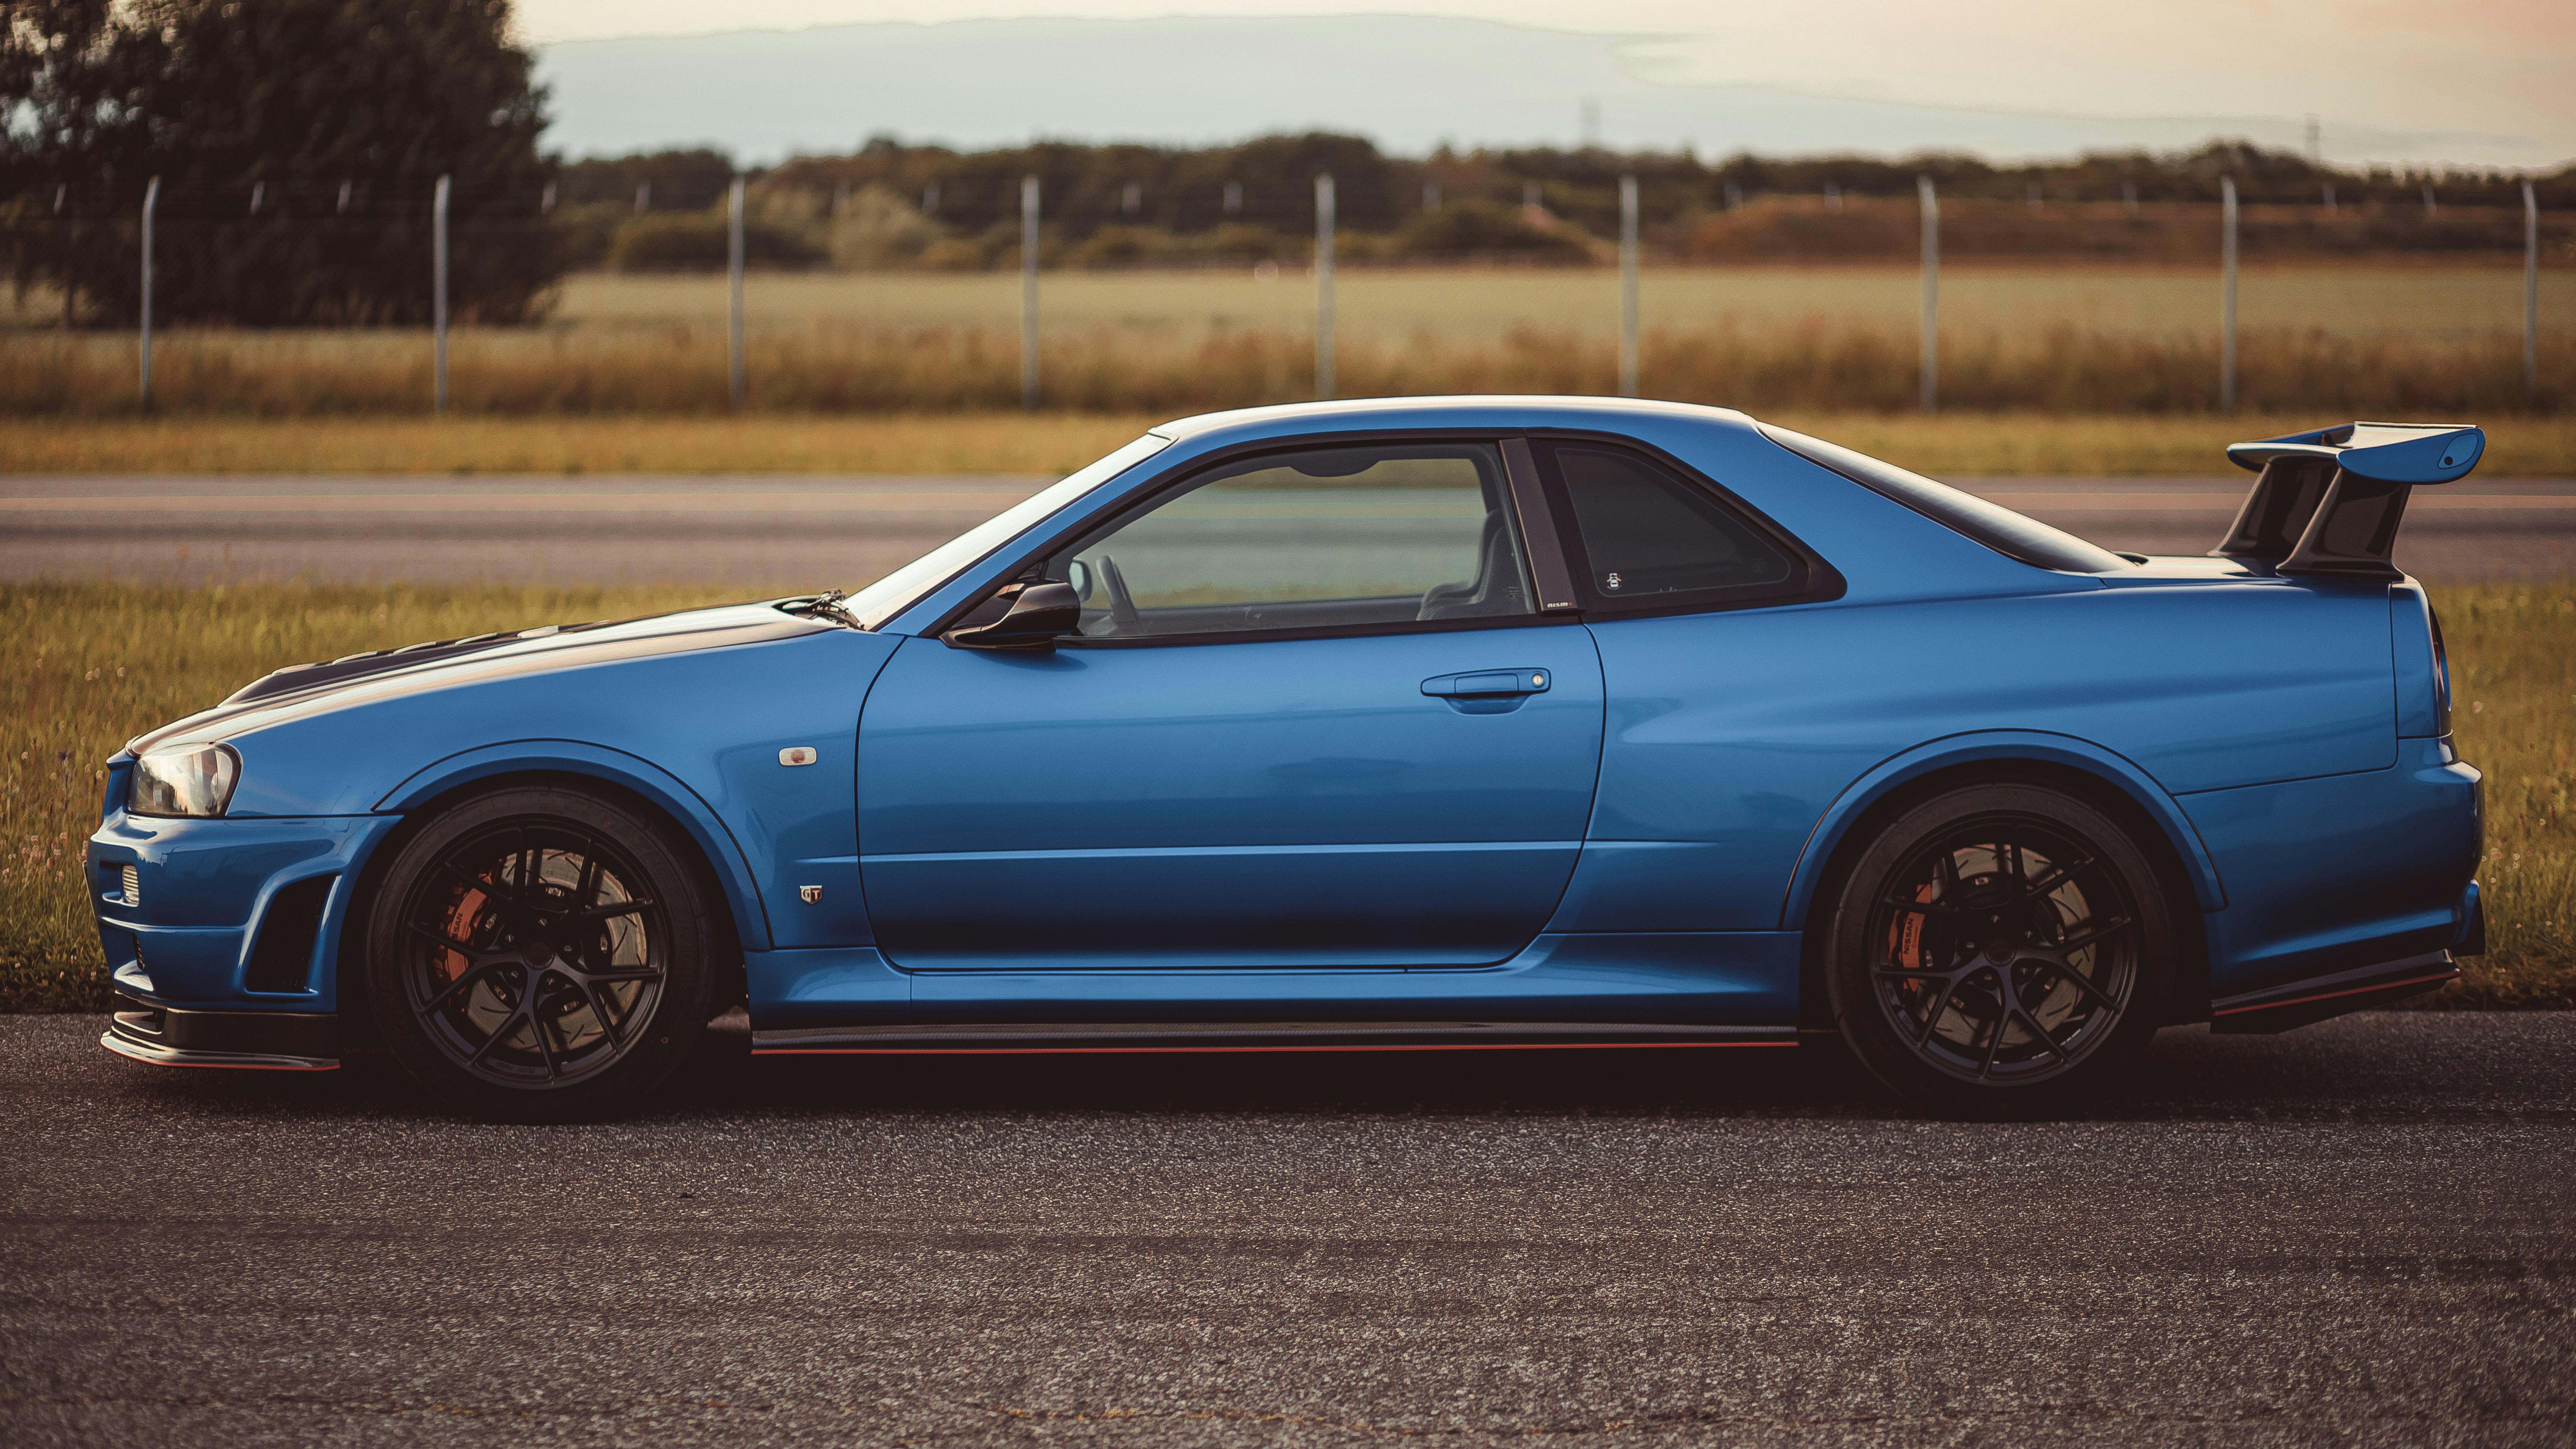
point(438, 292)
point(1029, 292)
point(151, 203)
point(1931, 202)
point(733, 281)
point(1324, 285)
point(1627, 286)
point(2227, 294)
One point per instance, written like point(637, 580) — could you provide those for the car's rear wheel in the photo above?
point(539, 954)
point(2002, 948)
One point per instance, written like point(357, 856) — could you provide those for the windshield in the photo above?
point(2014, 535)
point(897, 591)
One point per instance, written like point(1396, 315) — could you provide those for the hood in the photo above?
point(439, 663)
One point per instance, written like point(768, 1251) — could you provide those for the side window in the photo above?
point(1319, 538)
point(1648, 538)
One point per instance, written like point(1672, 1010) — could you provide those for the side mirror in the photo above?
point(1039, 615)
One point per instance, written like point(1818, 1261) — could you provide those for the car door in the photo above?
point(1311, 719)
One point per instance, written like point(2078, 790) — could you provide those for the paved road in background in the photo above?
point(790, 533)
point(2357, 1233)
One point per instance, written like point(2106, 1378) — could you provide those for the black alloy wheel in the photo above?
point(539, 954)
point(2000, 947)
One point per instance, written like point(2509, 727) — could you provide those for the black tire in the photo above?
point(1999, 950)
point(540, 954)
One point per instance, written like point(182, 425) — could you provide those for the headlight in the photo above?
point(184, 780)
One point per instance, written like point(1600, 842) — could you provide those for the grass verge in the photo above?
point(83, 667)
point(1950, 444)
point(1807, 365)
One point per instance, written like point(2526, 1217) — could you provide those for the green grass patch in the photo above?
point(84, 667)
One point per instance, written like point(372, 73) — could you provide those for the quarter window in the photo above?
point(1651, 539)
point(1327, 538)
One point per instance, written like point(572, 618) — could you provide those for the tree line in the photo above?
point(296, 143)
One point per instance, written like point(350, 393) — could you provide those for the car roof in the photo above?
point(1472, 411)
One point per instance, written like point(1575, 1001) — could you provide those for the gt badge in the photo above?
point(809, 894)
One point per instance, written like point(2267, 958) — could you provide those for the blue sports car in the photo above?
point(1413, 723)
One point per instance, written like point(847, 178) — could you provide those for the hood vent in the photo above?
point(296, 678)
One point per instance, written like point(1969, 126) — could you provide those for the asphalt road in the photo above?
point(790, 533)
point(2357, 1233)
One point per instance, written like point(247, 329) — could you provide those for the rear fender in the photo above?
point(666, 792)
point(1983, 747)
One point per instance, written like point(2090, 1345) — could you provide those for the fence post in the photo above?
point(1627, 286)
point(2530, 288)
point(151, 202)
point(1324, 285)
point(1029, 292)
point(2227, 294)
point(733, 283)
point(1931, 201)
point(438, 292)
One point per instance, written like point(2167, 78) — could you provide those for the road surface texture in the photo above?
point(2361, 1233)
point(789, 534)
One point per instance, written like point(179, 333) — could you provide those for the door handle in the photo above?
point(1487, 684)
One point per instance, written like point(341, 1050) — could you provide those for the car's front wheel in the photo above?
point(539, 954)
point(2001, 948)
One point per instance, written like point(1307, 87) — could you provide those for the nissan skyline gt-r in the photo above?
point(1411, 723)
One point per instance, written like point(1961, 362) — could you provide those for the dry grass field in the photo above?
point(85, 666)
point(2378, 339)
point(2445, 302)
point(2433, 300)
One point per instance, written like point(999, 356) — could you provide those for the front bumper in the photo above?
point(266, 1041)
point(230, 913)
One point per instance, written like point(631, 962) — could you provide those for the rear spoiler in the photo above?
point(2329, 502)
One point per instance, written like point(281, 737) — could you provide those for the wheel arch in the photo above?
point(2099, 777)
point(642, 784)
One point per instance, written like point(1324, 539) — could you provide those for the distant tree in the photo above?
point(336, 115)
point(689, 180)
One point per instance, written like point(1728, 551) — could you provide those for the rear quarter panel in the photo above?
point(1729, 735)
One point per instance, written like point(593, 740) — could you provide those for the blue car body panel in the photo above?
point(1306, 830)
point(1261, 804)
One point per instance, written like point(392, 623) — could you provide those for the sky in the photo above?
point(2495, 79)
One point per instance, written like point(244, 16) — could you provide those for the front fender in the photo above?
point(1988, 745)
point(632, 772)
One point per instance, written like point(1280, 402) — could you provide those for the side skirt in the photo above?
point(2304, 1002)
point(988, 1038)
